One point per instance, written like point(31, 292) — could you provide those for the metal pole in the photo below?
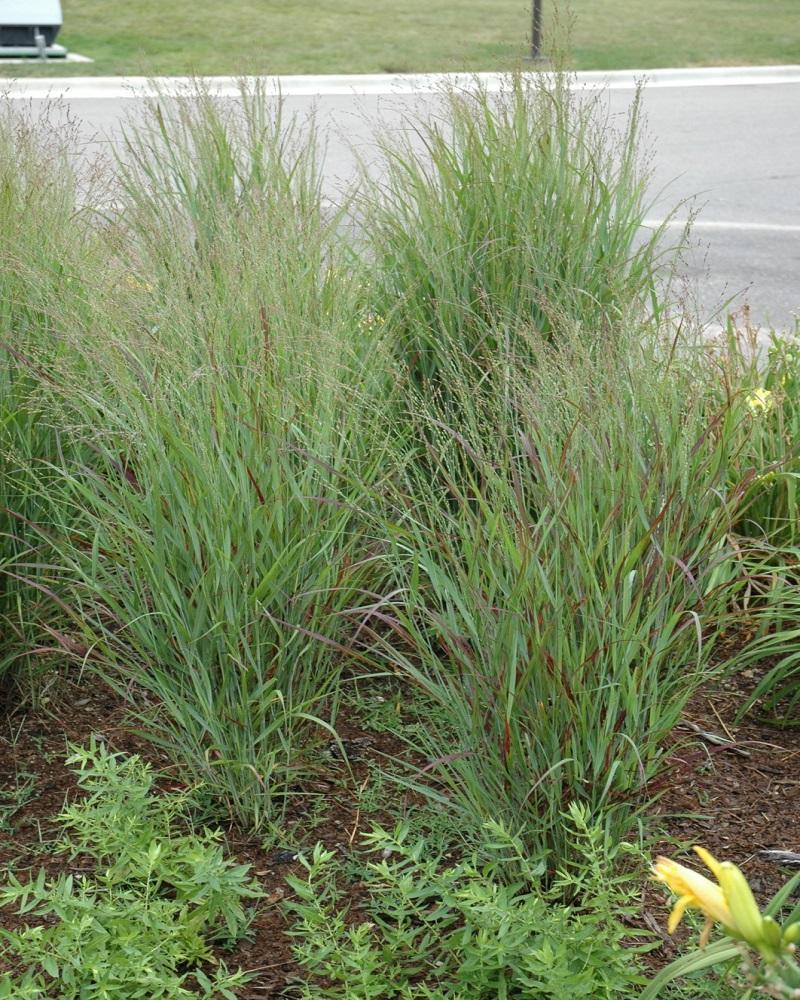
point(536, 30)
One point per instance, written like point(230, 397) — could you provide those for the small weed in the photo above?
point(399, 709)
point(298, 832)
point(16, 798)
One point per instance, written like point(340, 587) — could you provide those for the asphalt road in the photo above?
point(725, 144)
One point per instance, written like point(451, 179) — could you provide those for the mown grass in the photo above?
point(360, 37)
point(252, 452)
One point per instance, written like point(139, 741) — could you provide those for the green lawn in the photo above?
point(373, 36)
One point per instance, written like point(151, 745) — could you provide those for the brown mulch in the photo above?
point(736, 798)
point(733, 788)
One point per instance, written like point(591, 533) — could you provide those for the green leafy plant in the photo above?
point(765, 383)
point(142, 924)
point(435, 929)
point(769, 382)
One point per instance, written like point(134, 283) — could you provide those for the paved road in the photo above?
point(725, 142)
point(735, 152)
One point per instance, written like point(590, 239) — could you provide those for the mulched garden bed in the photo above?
point(733, 788)
point(33, 748)
point(736, 797)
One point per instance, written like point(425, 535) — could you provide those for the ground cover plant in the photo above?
point(262, 464)
point(363, 37)
point(441, 930)
point(141, 924)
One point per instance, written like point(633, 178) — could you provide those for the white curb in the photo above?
point(118, 87)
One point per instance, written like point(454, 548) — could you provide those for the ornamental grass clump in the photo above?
point(565, 563)
point(220, 540)
point(50, 284)
point(501, 212)
point(460, 456)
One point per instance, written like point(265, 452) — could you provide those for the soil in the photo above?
point(737, 798)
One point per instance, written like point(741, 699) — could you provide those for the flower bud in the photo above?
point(772, 936)
point(747, 920)
point(791, 934)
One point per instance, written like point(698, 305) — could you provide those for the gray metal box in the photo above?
point(20, 20)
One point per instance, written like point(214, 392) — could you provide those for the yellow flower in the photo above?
point(760, 400)
point(135, 285)
point(729, 903)
point(371, 321)
point(694, 890)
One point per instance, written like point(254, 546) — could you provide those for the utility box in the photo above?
point(30, 27)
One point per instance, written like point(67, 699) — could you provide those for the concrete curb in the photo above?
point(119, 88)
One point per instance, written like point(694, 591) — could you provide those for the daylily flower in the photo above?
point(693, 890)
point(729, 903)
